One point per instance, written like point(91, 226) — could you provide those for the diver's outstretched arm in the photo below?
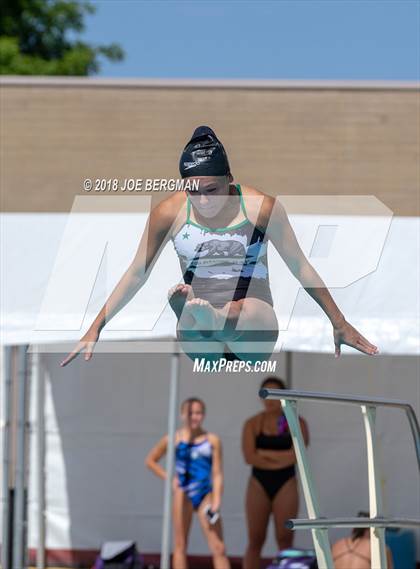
point(156, 234)
point(284, 239)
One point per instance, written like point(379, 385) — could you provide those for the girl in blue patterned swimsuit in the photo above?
point(198, 483)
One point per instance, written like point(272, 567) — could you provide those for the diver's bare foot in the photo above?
point(178, 296)
point(207, 319)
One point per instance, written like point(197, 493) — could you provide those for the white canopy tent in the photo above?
point(58, 269)
point(55, 277)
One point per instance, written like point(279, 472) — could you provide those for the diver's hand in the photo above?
point(345, 333)
point(87, 343)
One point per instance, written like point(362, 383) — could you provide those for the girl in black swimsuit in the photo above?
point(272, 488)
point(273, 480)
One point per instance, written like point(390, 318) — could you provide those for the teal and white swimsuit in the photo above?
point(224, 264)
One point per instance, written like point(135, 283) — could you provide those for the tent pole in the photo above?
point(6, 414)
point(19, 542)
point(38, 379)
point(170, 464)
point(289, 369)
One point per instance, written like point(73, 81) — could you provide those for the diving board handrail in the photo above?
point(318, 525)
point(352, 523)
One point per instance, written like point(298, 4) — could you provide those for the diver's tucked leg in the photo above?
point(256, 329)
point(178, 296)
point(208, 320)
point(248, 327)
point(197, 347)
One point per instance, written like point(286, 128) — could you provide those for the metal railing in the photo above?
point(318, 525)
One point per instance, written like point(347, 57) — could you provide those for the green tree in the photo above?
point(34, 39)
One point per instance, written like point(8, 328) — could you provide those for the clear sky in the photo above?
point(278, 39)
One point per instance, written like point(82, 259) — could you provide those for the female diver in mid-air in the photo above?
point(220, 232)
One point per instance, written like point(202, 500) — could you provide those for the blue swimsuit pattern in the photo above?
point(193, 467)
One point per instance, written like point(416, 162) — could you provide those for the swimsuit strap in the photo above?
point(241, 198)
point(188, 208)
point(260, 425)
point(340, 555)
point(205, 440)
point(189, 443)
point(352, 551)
point(361, 556)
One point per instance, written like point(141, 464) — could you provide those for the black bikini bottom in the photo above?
point(273, 480)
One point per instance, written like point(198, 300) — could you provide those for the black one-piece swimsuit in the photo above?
point(273, 480)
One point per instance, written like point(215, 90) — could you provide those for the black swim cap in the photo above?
point(204, 155)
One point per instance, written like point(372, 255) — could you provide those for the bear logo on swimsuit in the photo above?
point(227, 248)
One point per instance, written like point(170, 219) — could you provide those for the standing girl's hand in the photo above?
point(87, 343)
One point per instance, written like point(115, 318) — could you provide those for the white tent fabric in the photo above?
point(57, 270)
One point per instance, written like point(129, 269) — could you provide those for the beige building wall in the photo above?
point(282, 138)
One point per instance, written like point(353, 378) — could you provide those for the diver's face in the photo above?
point(211, 196)
point(272, 405)
point(192, 415)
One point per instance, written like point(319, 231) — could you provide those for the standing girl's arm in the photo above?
point(287, 457)
point(305, 430)
point(217, 472)
point(265, 459)
point(152, 459)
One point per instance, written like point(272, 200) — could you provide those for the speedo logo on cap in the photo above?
point(202, 153)
point(199, 156)
point(189, 165)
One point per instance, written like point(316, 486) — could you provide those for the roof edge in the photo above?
point(285, 84)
